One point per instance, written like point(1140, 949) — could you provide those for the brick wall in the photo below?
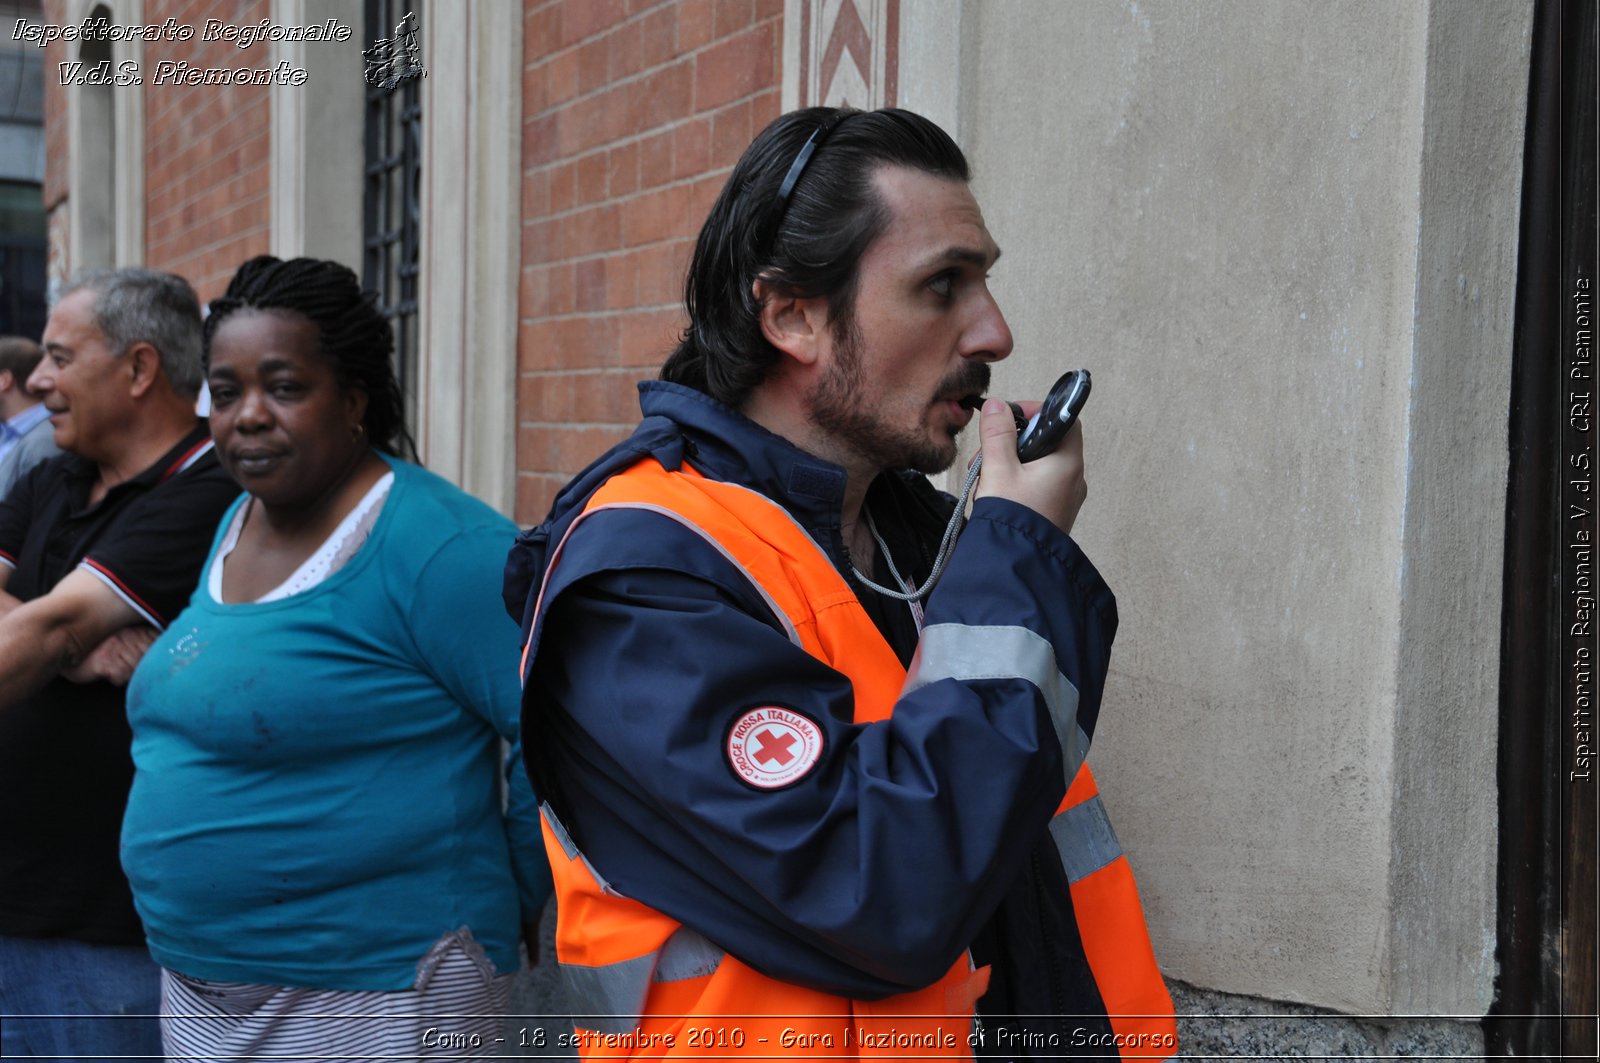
point(207, 167)
point(634, 111)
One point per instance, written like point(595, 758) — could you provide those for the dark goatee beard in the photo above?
point(836, 406)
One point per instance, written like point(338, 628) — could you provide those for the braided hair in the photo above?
point(350, 333)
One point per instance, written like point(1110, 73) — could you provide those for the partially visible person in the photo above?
point(316, 825)
point(26, 437)
point(104, 540)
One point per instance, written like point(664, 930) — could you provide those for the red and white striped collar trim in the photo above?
point(188, 458)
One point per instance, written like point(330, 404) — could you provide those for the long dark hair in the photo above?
point(350, 332)
point(810, 244)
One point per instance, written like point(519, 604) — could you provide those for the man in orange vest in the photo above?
point(795, 804)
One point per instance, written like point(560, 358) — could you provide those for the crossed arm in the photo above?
point(67, 632)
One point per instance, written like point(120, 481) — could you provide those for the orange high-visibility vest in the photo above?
point(662, 990)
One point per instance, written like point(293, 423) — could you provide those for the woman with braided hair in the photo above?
point(315, 835)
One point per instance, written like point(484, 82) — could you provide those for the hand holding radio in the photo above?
point(1041, 434)
point(1054, 488)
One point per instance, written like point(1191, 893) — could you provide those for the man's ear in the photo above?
point(143, 367)
point(793, 325)
point(7, 380)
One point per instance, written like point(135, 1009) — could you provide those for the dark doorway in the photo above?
point(1546, 988)
point(392, 196)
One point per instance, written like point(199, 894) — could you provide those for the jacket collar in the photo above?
point(184, 454)
point(723, 444)
point(682, 424)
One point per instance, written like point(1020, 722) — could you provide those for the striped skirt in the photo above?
point(454, 1011)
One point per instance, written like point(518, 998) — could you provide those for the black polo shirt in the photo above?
point(64, 762)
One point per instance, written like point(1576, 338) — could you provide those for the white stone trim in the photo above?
point(867, 67)
point(471, 248)
point(105, 227)
point(90, 206)
point(127, 111)
point(792, 44)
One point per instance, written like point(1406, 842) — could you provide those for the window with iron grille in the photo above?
point(392, 196)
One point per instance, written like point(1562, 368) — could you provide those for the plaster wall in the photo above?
point(1283, 238)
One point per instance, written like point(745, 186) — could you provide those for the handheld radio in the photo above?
point(1043, 432)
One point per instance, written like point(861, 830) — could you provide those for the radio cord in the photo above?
point(951, 531)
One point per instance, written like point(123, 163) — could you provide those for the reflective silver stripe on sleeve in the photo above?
point(618, 991)
point(614, 994)
point(965, 652)
point(687, 954)
point(1084, 838)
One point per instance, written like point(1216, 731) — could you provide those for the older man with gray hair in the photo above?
point(99, 547)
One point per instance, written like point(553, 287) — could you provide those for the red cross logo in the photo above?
point(771, 746)
point(775, 748)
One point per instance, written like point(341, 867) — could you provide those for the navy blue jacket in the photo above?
point(915, 838)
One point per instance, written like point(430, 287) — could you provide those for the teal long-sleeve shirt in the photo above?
point(317, 793)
